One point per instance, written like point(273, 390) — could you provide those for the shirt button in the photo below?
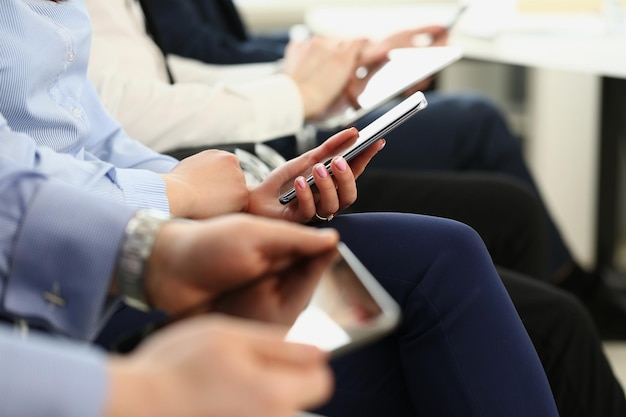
point(69, 57)
point(77, 112)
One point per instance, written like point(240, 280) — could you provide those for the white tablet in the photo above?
point(406, 68)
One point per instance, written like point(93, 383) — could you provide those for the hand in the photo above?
point(278, 300)
point(218, 367)
point(205, 185)
point(332, 193)
point(375, 52)
point(321, 68)
point(193, 263)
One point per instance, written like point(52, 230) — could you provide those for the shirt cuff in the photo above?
point(64, 257)
point(143, 189)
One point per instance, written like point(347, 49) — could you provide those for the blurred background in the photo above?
point(548, 63)
point(558, 70)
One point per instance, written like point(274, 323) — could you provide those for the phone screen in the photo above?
point(348, 307)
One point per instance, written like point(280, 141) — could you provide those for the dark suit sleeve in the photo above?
point(209, 31)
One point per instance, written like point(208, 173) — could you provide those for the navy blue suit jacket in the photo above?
point(209, 30)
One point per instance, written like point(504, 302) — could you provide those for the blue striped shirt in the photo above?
point(40, 377)
point(54, 239)
point(63, 129)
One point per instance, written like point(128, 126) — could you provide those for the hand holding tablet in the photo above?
point(404, 69)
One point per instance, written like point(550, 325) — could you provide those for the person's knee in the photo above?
point(479, 106)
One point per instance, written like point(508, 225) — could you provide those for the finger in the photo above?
point(359, 163)
point(305, 205)
point(431, 29)
point(298, 166)
point(333, 145)
point(344, 180)
point(286, 238)
point(301, 388)
point(328, 201)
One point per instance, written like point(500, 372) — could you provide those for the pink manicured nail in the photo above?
point(301, 183)
point(341, 164)
point(321, 170)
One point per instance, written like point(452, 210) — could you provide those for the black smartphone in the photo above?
point(371, 133)
point(348, 308)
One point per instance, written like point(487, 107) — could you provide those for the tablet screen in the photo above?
point(348, 307)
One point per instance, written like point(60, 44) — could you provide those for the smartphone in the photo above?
point(348, 308)
point(371, 133)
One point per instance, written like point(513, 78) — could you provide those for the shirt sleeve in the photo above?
point(45, 377)
point(136, 187)
point(201, 109)
point(58, 250)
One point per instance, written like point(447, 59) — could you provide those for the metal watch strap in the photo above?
point(139, 238)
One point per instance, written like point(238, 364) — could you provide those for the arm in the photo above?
point(135, 187)
point(207, 364)
point(201, 109)
point(212, 32)
point(42, 376)
point(58, 240)
point(199, 114)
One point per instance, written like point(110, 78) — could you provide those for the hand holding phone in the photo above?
point(371, 133)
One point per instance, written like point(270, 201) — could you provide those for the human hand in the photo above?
point(194, 263)
point(375, 52)
point(332, 193)
point(321, 68)
point(205, 185)
point(205, 366)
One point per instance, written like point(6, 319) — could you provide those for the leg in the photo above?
point(461, 348)
point(505, 212)
point(571, 352)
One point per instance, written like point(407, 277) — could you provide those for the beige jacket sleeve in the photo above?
point(206, 106)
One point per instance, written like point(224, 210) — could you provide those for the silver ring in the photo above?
point(325, 219)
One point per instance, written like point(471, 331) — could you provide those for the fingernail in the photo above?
point(382, 145)
point(301, 183)
point(321, 170)
point(341, 163)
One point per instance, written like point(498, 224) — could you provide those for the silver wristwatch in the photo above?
point(135, 250)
